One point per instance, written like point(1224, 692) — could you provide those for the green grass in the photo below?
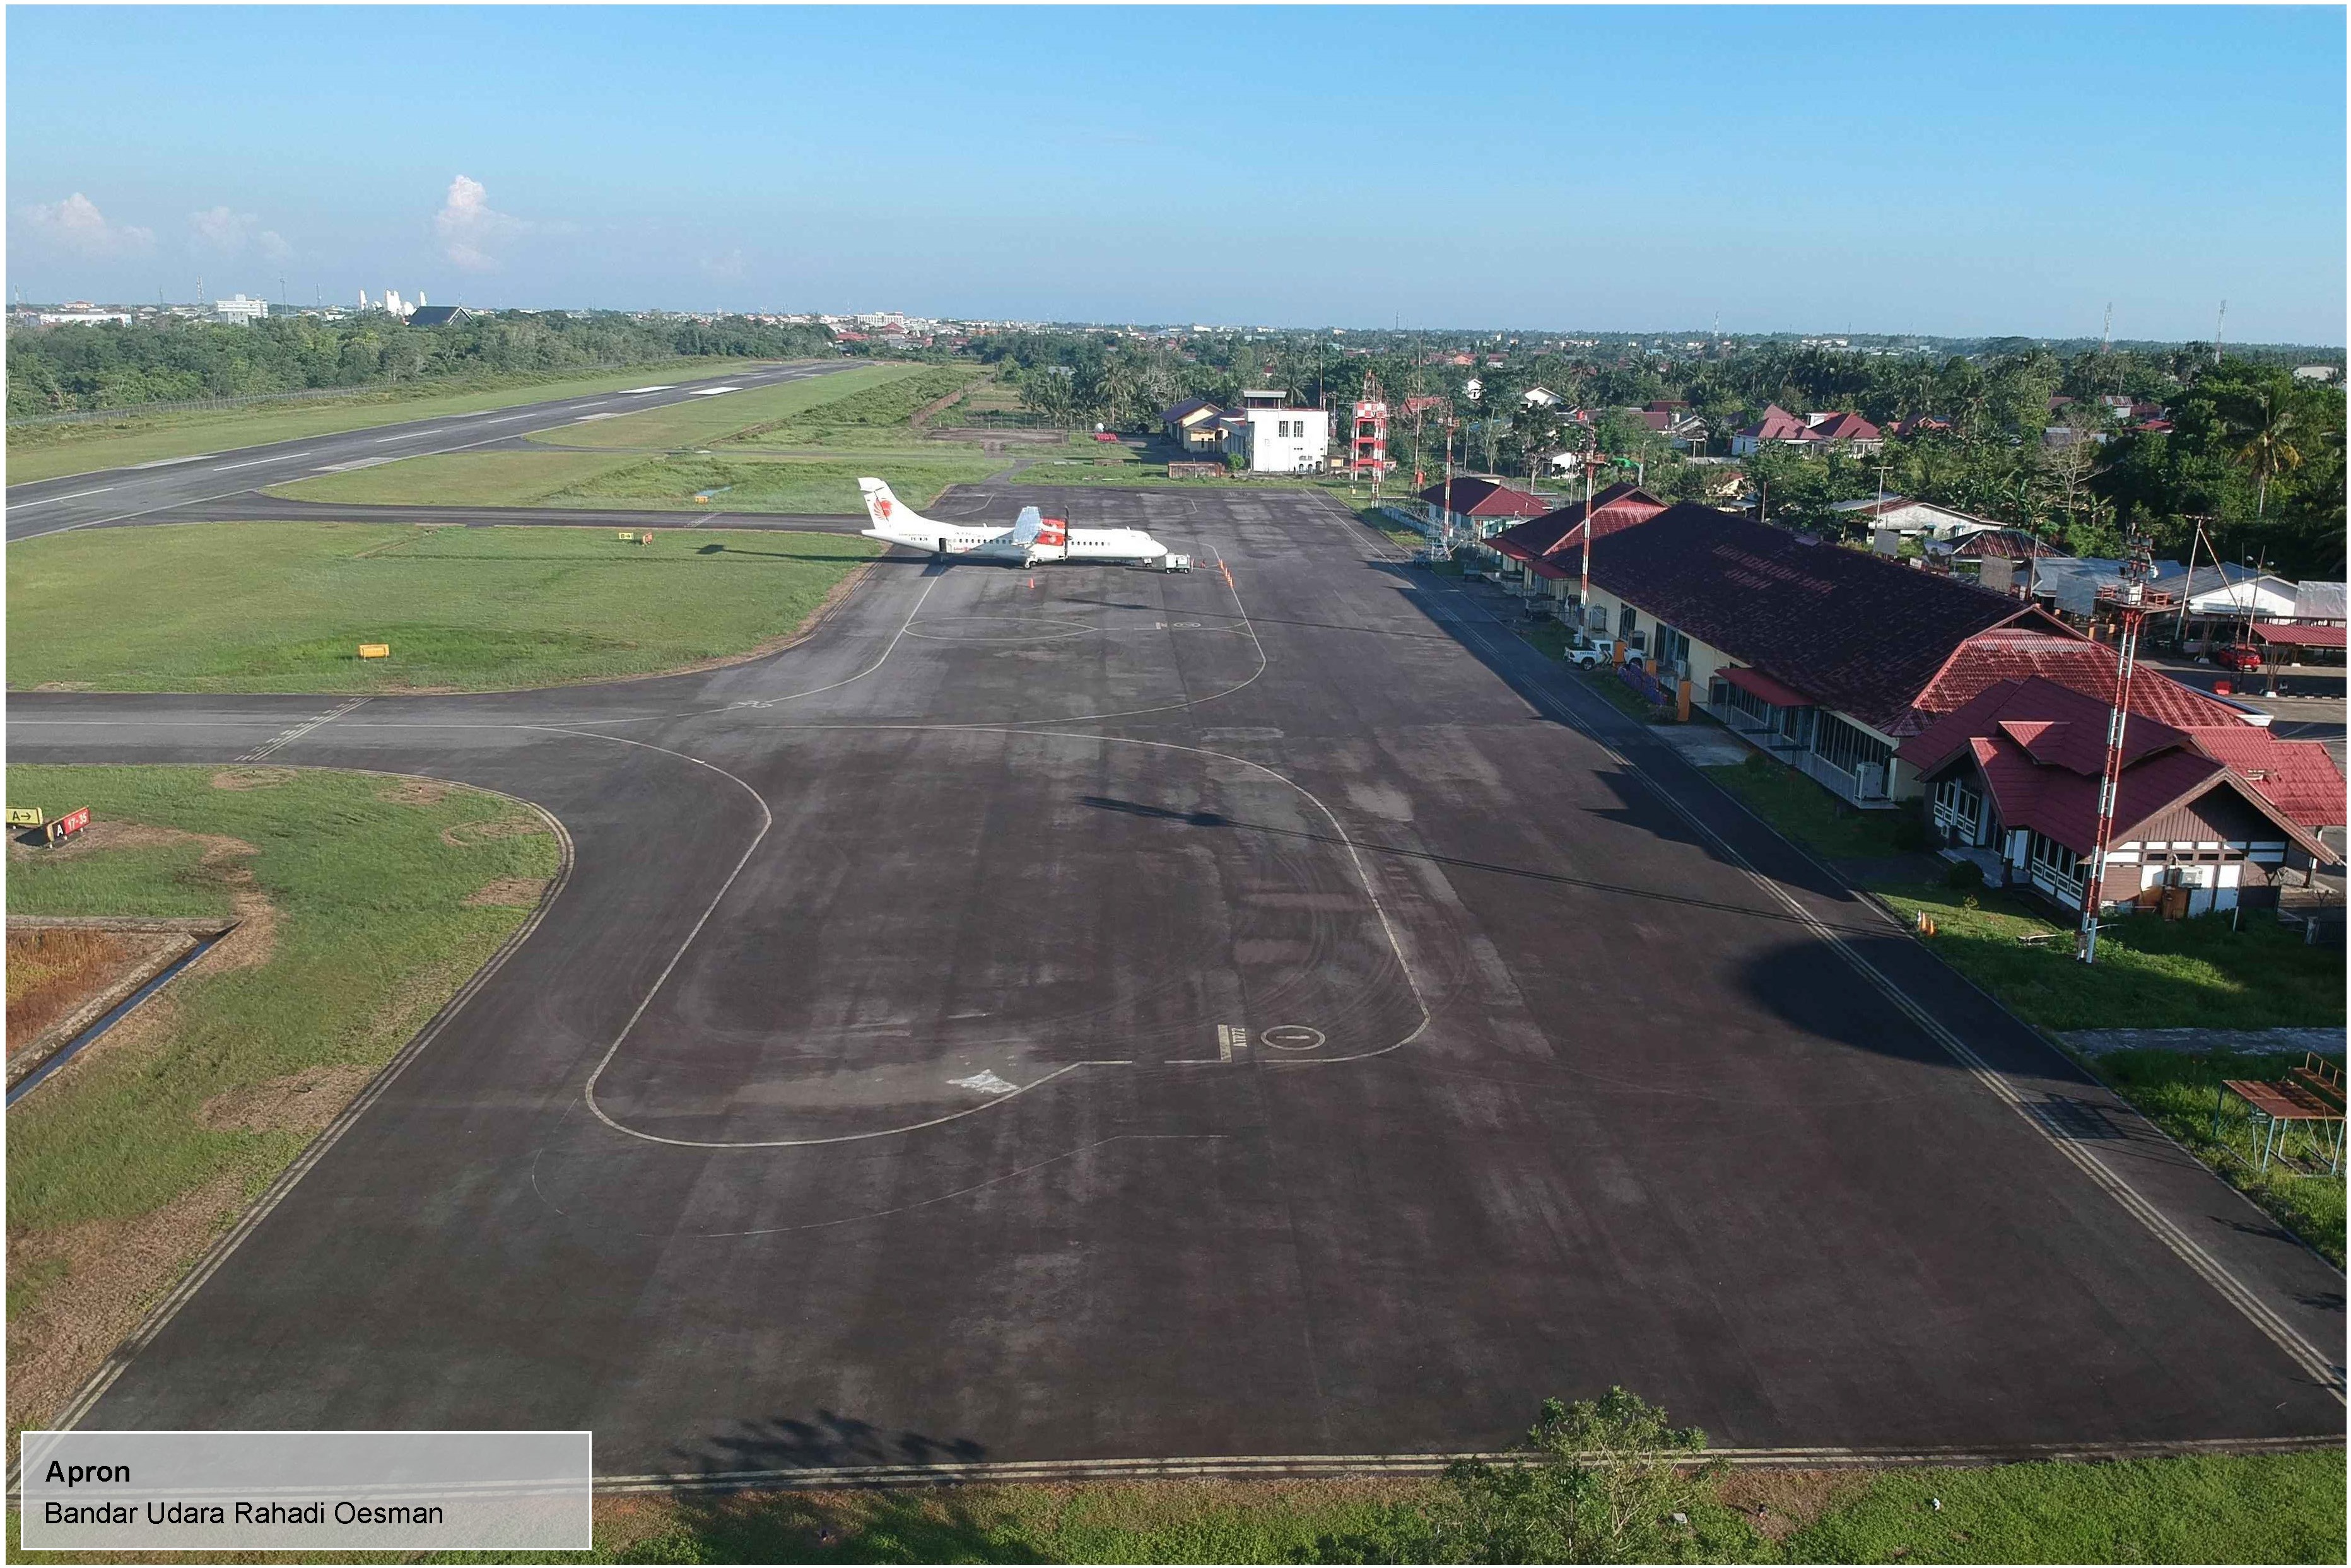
point(46, 452)
point(883, 405)
point(1803, 811)
point(2150, 973)
point(282, 607)
point(782, 484)
point(2179, 1091)
point(2263, 1509)
point(2285, 1508)
point(371, 938)
point(475, 479)
point(706, 421)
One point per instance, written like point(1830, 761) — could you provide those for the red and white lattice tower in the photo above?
point(2130, 601)
point(1367, 442)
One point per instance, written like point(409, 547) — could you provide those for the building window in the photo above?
point(1625, 620)
point(1840, 745)
point(2056, 861)
point(1673, 648)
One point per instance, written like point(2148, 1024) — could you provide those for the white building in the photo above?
point(1281, 440)
point(1906, 516)
point(243, 312)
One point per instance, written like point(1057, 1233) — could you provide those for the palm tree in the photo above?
point(2269, 429)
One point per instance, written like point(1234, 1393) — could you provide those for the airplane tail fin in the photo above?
point(887, 512)
point(1031, 524)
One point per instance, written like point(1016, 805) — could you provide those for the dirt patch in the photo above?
point(465, 835)
point(414, 792)
point(1778, 1503)
point(252, 778)
point(302, 1101)
point(102, 1277)
point(52, 972)
point(508, 891)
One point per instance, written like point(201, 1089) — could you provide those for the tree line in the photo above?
point(113, 365)
point(2255, 455)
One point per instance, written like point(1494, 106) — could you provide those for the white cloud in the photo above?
point(220, 229)
point(273, 245)
point(468, 225)
point(76, 226)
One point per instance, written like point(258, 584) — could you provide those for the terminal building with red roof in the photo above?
point(2214, 815)
point(1824, 657)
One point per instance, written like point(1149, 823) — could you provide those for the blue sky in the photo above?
point(2003, 170)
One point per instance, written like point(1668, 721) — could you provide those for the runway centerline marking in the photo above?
point(52, 500)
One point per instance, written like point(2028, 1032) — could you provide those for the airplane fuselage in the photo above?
point(1034, 538)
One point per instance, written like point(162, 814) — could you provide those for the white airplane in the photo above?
point(1034, 537)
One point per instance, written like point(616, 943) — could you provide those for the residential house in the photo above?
point(1812, 433)
point(2221, 600)
point(1906, 515)
point(2015, 774)
point(1192, 424)
point(1675, 422)
point(1919, 424)
point(440, 316)
point(2317, 604)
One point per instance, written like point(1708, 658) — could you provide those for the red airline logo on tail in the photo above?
point(882, 505)
point(1053, 531)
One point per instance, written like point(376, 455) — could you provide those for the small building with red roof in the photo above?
point(2223, 812)
point(1479, 507)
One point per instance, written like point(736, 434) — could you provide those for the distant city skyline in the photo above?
point(1930, 171)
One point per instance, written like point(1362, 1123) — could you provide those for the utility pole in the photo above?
point(2220, 321)
point(1584, 589)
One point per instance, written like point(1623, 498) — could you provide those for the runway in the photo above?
point(151, 491)
point(1093, 1017)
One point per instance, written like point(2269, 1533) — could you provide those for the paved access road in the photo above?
point(1090, 1015)
point(146, 492)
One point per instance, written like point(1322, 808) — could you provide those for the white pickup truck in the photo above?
point(1586, 654)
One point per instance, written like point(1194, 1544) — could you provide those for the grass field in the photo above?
point(2268, 1508)
point(282, 607)
point(45, 452)
point(366, 902)
point(2150, 973)
point(781, 485)
point(1803, 811)
point(2180, 1090)
point(872, 405)
point(704, 421)
point(477, 479)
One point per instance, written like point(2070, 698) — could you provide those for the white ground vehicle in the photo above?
point(1175, 563)
point(1586, 654)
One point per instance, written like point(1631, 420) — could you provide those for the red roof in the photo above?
point(1764, 686)
point(1619, 506)
point(1779, 424)
point(1861, 633)
point(1484, 498)
point(2298, 777)
point(2299, 636)
point(1542, 567)
point(1845, 427)
point(2041, 750)
point(2056, 653)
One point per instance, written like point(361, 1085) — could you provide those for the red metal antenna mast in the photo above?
point(2131, 600)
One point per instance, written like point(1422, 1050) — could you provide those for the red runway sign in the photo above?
point(65, 827)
